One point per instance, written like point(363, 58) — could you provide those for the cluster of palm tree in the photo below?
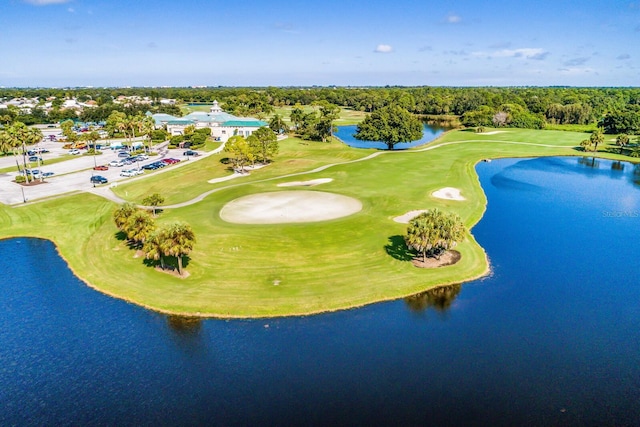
point(173, 240)
point(15, 138)
point(594, 140)
point(434, 232)
point(130, 126)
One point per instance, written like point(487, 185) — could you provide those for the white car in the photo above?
point(74, 151)
point(116, 163)
point(127, 172)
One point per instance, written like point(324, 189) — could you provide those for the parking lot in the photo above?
point(75, 173)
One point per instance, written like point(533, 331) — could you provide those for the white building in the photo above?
point(223, 125)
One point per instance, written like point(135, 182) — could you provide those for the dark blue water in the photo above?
point(551, 338)
point(345, 134)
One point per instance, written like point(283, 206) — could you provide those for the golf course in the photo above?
point(289, 268)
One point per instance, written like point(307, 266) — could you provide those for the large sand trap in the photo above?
point(309, 183)
point(289, 207)
point(405, 218)
point(448, 193)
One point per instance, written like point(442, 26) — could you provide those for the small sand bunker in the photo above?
point(448, 193)
point(286, 207)
point(493, 132)
point(309, 183)
point(405, 218)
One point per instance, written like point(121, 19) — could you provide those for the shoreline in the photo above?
point(480, 267)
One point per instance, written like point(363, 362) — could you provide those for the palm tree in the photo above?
point(596, 138)
point(139, 226)
point(5, 142)
point(153, 247)
point(178, 242)
point(622, 141)
point(146, 127)
point(434, 231)
point(122, 214)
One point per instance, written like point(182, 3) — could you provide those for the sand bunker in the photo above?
point(493, 132)
point(309, 183)
point(405, 218)
point(289, 207)
point(448, 193)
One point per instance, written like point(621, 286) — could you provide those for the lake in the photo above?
point(551, 337)
point(345, 134)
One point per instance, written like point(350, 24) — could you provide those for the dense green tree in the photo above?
point(297, 116)
point(278, 125)
point(241, 151)
point(391, 125)
point(267, 143)
point(154, 201)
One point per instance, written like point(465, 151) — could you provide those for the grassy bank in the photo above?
point(275, 270)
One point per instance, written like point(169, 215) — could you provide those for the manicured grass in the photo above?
point(274, 270)
point(187, 182)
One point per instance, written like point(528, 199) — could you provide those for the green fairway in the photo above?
point(275, 270)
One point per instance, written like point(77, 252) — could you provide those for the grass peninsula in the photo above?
point(257, 270)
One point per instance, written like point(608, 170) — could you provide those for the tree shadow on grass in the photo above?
point(398, 249)
point(121, 235)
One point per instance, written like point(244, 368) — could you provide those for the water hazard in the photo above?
point(552, 337)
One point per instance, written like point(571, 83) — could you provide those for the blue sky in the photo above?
point(279, 42)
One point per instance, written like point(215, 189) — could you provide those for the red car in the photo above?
point(170, 161)
point(101, 168)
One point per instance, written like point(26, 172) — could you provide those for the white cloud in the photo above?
point(526, 53)
point(71, 10)
point(572, 71)
point(383, 48)
point(453, 19)
point(46, 2)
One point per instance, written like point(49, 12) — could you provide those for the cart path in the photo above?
point(108, 194)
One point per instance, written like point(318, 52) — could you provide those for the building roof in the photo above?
point(180, 122)
point(160, 118)
point(246, 123)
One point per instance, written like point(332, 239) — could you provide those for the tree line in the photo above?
point(614, 109)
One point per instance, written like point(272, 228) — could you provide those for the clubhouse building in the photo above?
point(223, 125)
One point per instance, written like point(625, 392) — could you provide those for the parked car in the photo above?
point(116, 163)
point(75, 151)
point(98, 179)
point(47, 174)
point(38, 150)
point(190, 153)
point(101, 168)
point(35, 159)
point(126, 172)
point(123, 154)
